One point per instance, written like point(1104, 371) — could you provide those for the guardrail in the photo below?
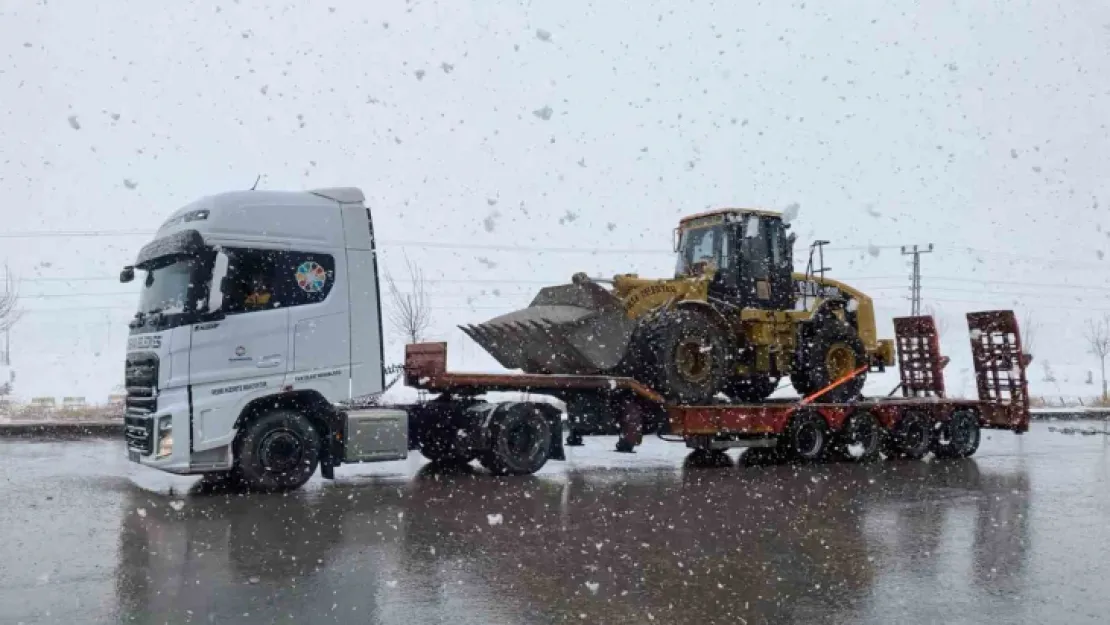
point(1076, 413)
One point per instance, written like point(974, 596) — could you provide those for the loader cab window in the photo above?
point(257, 280)
point(709, 245)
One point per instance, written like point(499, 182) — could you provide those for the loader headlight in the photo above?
point(165, 437)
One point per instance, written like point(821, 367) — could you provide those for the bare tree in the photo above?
point(9, 315)
point(1098, 344)
point(1029, 327)
point(410, 315)
point(939, 321)
point(9, 300)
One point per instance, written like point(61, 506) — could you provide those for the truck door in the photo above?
point(242, 350)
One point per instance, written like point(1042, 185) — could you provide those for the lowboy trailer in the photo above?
point(518, 437)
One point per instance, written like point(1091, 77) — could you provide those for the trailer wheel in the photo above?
point(959, 436)
point(806, 437)
point(861, 438)
point(439, 449)
point(912, 436)
point(279, 452)
point(520, 441)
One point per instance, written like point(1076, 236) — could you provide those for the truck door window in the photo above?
point(267, 279)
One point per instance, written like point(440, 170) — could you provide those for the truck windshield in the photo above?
point(166, 288)
point(169, 290)
point(700, 245)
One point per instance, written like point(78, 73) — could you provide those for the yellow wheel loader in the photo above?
point(734, 320)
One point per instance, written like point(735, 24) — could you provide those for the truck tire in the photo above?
point(959, 436)
point(861, 438)
point(689, 356)
point(826, 353)
point(912, 436)
point(278, 452)
point(751, 390)
point(441, 450)
point(520, 441)
point(806, 437)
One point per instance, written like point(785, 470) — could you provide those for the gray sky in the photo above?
point(572, 124)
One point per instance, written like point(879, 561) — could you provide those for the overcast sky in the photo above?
point(976, 126)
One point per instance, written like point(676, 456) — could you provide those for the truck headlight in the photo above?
point(165, 437)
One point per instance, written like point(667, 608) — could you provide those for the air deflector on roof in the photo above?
point(343, 195)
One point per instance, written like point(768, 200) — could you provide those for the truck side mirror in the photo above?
point(677, 239)
point(127, 275)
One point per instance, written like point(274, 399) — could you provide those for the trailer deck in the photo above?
point(923, 419)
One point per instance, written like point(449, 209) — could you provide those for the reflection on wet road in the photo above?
point(1016, 535)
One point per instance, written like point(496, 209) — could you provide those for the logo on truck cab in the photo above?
point(147, 341)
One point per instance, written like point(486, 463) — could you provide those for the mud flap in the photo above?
point(555, 421)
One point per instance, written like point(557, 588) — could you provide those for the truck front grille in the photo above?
point(140, 376)
point(139, 432)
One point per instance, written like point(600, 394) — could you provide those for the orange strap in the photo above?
point(812, 398)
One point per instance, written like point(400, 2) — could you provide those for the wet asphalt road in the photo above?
point(1019, 534)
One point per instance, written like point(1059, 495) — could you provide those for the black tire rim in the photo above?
point(693, 360)
point(962, 434)
point(914, 435)
point(281, 451)
point(864, 433)
point(522, 440)
point(808, 440)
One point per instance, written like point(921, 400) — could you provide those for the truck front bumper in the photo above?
point(160, 440)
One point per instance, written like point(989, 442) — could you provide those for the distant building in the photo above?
point(74, 402)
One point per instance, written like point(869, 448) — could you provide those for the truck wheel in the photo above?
point(959, 436)
point(912, 436)
point(442, 451)
point(279, 452)
point(520, 441)
point(825, 354)
point(752, 390)
point(805, 438)
point(689, 356)
point(861, 438)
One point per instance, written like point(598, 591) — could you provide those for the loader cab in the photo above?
point(749, 253)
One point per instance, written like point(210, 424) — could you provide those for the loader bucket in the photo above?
point(578, 329)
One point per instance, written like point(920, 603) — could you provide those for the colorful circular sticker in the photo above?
point(311, 277)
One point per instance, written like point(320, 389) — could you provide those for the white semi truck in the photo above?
point(259, 329)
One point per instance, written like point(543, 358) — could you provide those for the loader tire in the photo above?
point(826, 353)
point(751, 390)
point(689, 356)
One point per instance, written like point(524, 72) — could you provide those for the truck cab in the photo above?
point(258, 326)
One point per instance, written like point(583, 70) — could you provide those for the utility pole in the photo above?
point(915, 277)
